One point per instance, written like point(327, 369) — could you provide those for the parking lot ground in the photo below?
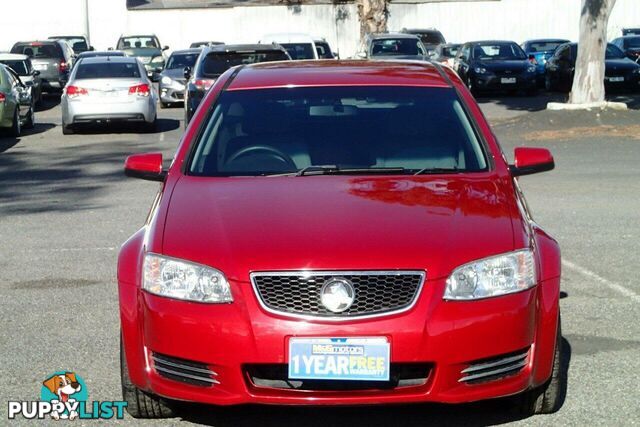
point(65, 208)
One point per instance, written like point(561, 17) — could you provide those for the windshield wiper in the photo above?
point(427, 171)
point(335, 170)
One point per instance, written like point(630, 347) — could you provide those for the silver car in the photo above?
point(108, 89)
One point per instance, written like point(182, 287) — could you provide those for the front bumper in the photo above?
point(446, 336)
point(172, 92)
point(491, 82)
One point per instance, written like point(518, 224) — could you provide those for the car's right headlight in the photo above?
point(175, 278)
point(498, 275)
point(480, 70)
point(166, 80)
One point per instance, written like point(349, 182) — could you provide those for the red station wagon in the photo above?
point(339, 233)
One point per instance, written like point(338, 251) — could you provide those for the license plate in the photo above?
point(351, 359)
point(40, 67)
point(616, 79)
point(508, 80)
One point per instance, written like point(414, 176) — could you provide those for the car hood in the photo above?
point(621, 64)
point(240, 225)
point(497, 65)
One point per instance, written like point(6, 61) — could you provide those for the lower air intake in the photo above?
point(495, 368)
point(186, 371)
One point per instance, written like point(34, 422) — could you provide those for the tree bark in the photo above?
point(588, 81)
point(372, 15)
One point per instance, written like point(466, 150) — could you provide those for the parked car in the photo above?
point(16, 105)
point(195, 45)
point(495, 65)
point(52, 58)
point(108, 89)
point(339, 233)
point(446, 53)
point(323, 49)
point(540, 51)
point(148, 49)
point(630, 45)
point(172, 79)
point(620, 71)
point(631, 31)
point(299, 46)
point(30, 77)
point(79, 44)
point(215, 60)
point(430, 37)
point(392, 46)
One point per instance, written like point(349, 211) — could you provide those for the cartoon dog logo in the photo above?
point(63, 385)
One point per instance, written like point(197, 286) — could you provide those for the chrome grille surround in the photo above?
point(187, 371)
point(302, 296)
point(495, 368)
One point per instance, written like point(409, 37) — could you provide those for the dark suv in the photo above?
point(215, 60)
point(52, 58)
point(430, 37)
point(79, 44)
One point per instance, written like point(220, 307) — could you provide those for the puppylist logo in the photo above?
point(63, 396)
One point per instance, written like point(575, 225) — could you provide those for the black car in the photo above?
point(620, 71)
point(495, 65)
point(79, 44)
point(630, 45)
point(430, 37)
point(52, 58)
point(631, 31)
point(215, 60)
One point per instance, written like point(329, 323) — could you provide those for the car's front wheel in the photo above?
point(548, 398)
point(141, 404)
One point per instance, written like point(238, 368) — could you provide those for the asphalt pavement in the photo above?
point(66, 207)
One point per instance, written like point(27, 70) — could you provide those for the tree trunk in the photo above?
point(372, 15)
point(588, 81)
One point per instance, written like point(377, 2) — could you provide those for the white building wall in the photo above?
point(459, 21)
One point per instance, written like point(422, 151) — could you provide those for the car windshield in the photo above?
point(632, 42)
point(282, 130)
point(614, 52)
point(138, 43)
point(38, 50)
point(181, 60)
point(216, 63)
point(299, 50)
point(544, 46)
point(20, 67)
point(396, 47)
point(498, 52)
point(108, 70)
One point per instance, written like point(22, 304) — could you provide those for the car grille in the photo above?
point(495, 368)
point(376, 292)
point(275, 376)
point(186, 371)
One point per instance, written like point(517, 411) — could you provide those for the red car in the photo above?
point(339, 233)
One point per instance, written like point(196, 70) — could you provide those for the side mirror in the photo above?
point(165, 48)
point(145, 166)
point(532, 59)
point(530, 160)
point(336, 55)
point(91, 48)
point(158, 69)
point(36, 73)
point(187, 73)
point(109, 48)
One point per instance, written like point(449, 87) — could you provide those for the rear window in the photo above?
point(217, 63)
point(20, 67)
point(431, 38)
point(299, 51)
point(632, 42)
point(548, 46)
point(324, 51)
point(138, 43)
point(108, 70)
point(283, 130)
point(392, 47)
point(38, 50)
point(498, 52)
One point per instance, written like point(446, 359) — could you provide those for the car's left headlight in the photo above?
point(531, 69)
point(174, 278)
point(494, 276)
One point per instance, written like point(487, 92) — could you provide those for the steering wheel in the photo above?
point(274, 152)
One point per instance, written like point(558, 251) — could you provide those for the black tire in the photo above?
point(15, 130)
point(30, 122)
point(548, 398)
point(141, 404)
point(67, 129)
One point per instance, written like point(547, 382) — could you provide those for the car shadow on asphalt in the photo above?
point(162, 125)
point(7, 142)
point(539, 101)
point(492, 412)
point(48, 102)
